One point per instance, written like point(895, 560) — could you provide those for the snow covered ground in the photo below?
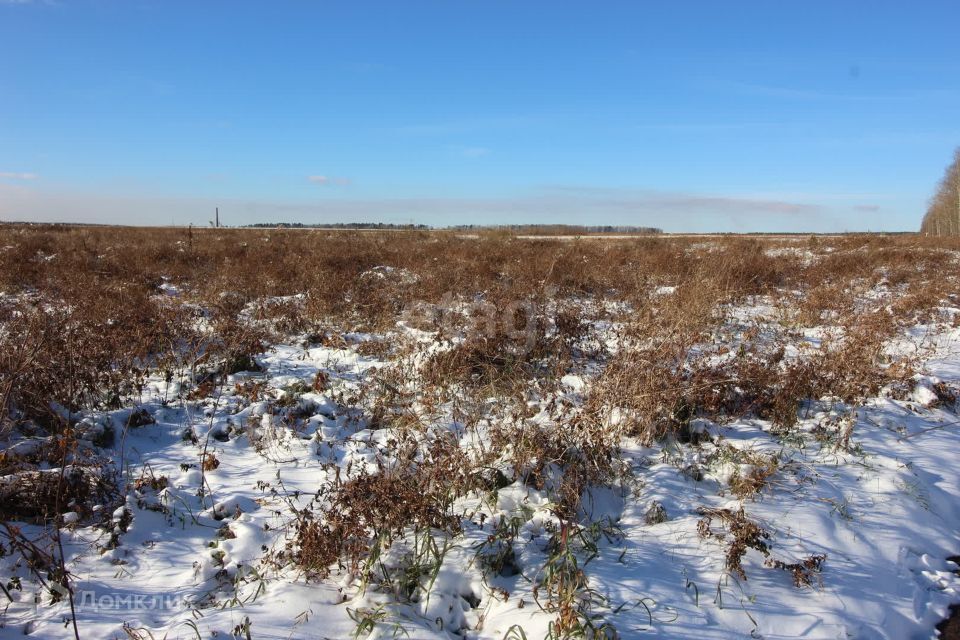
point(202, 547)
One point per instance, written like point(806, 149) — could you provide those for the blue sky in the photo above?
point(691, 116)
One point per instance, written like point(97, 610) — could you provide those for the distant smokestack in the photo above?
point(217, 218)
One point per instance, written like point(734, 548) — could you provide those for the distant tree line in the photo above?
point(943, 214)
point(560, 229)
point(531, 229)
point(337, 225)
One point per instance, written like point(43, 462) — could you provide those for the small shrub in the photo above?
point(744, 534)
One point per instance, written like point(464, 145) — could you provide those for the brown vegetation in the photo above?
point(87, 314)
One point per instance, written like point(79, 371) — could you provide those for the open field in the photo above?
point(302, 433)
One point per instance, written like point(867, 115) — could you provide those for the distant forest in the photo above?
point(338, 225)
point(532, 229)
point(559, 229)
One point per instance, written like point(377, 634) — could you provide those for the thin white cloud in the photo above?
point(325, 181)
point(706, 127)
point(466, 125)
point(673, 211)
point(365, 67)
point(474, 152)
point(681, 202)
point(50, 3)
point(677, 210)
point(17, 175)
point(796, 93)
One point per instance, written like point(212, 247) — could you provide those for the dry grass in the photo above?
point(363, 515)
point(508, 319)
point(512, 315)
